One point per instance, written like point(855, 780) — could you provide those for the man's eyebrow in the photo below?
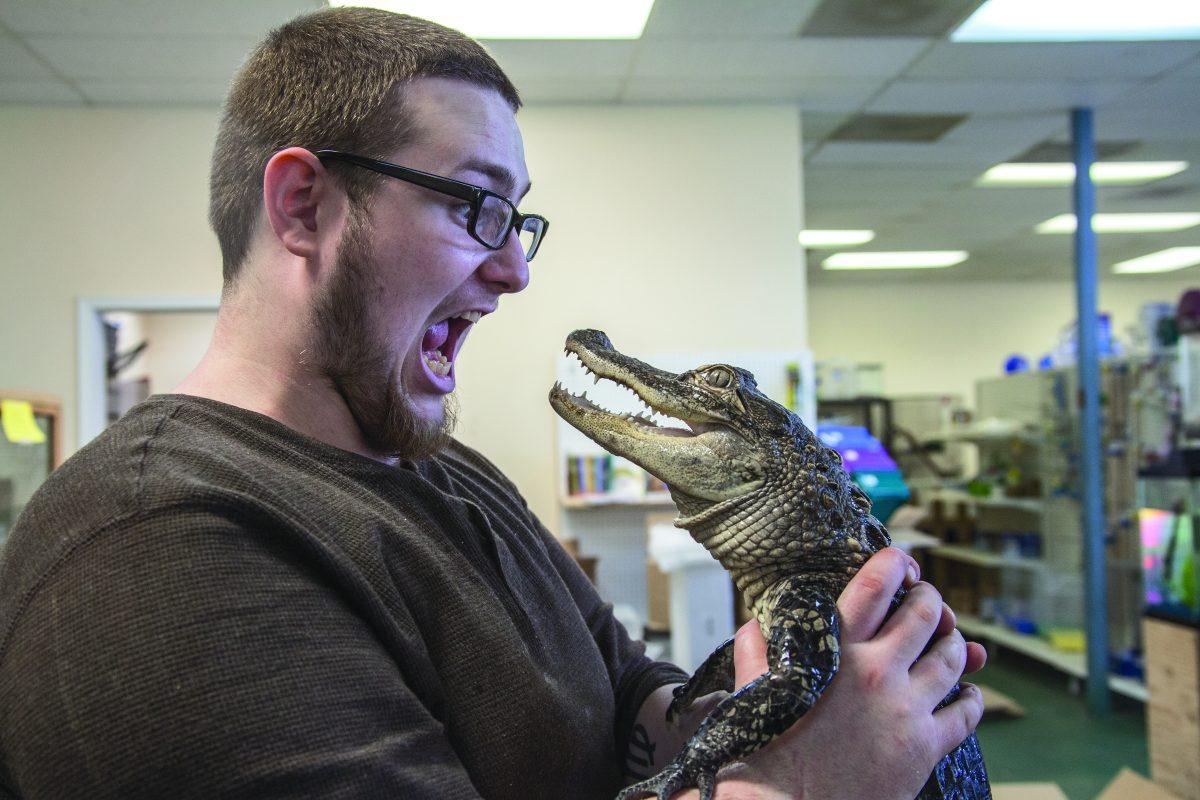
point(504, 181)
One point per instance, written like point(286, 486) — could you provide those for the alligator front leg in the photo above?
point(714, 675)
point(802, 656)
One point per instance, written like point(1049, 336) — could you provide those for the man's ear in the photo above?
point(295, 184)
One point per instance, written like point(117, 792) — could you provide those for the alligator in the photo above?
point(778, 510)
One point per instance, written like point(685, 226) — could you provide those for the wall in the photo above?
point(672, 228)
point(941, 337)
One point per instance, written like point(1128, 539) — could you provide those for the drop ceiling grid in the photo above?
point(704, 19)
point(119, 18)
point(1062, 60)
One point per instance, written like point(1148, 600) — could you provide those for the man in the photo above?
point(286, 580)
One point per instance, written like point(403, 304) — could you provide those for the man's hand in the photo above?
point(874, 732)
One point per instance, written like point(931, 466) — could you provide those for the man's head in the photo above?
point(332, 79)
point(385, 273)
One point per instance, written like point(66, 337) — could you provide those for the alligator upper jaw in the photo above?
point(696, 461)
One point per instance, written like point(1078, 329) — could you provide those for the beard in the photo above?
point(350, 350)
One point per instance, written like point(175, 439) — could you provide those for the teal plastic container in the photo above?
point(886, 488)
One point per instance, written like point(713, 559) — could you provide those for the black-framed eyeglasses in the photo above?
point(492, 216)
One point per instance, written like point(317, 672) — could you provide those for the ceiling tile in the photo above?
point(144, 17)
point(720, 19)
point(563, 60)
point(150, 92)
point(157, 57)
point(811, 95)
point(16, 61)
point(994, 96)
point(816, 125)
point(569, 90)
point(982, 154)
point(39, 92)
point(1062, 60)
point(765, 58)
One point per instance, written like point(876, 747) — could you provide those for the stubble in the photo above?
point(351, 351)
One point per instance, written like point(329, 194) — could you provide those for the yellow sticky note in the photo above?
point(19, 425)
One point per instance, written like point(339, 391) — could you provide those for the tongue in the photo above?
point(436, 336)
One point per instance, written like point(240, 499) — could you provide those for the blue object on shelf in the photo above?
point(1021, 625)
point(1016, 363)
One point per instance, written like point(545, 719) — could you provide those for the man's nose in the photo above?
point(506, 269)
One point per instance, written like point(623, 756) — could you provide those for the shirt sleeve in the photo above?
point(202, 659)
point(634, 676)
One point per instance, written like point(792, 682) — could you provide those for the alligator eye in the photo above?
point(719, 378)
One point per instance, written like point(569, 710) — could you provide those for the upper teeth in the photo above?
point(470, 316)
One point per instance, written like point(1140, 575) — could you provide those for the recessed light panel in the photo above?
point(1080, 21)
point(1122, 223)
point(905, 259)
point(814, 238)
point(1168, 260)
point(1107, 173)
point(526, 19)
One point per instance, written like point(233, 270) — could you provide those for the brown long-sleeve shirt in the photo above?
point(205, 603)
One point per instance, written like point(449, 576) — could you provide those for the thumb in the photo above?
point(749, 653)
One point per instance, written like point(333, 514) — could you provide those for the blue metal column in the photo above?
point(1095, 578)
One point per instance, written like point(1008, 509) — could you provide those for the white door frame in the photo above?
point(91, 380)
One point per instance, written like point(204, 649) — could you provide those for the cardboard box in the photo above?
point(1128, 785)
point(1173, 708)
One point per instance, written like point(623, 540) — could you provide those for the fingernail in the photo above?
point(950, 611)
point(913, 575)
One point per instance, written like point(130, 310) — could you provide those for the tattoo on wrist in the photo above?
point(639, 758)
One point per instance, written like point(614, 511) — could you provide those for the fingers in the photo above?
point(976, 657)
point(865, 600)
point(936, 672)
point(947, 622)
point(955, 722)
point(749, 653)
point(913, 624)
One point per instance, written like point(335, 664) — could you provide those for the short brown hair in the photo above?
point(330, 79)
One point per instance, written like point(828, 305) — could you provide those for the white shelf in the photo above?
point(983, 558)
point(1030, 504)
point(986, 432)
point(1073, 664)
point(651, 500)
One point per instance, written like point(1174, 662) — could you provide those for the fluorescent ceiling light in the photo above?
point(907, 259)
point(812, 237)
point(1080, 21)
point(526, 19)
point(1172, 258)
point(1122, 223)
point(1063, 173)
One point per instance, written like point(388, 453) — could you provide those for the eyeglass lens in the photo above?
point(494, 222)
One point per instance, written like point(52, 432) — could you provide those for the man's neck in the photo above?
point(265, 370)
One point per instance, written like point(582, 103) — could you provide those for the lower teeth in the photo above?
point(437, 363)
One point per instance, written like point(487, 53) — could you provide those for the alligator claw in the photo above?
point(671, 780)
point(679, 704)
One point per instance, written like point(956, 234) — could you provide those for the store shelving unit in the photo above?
point(1072, 664)
point(1026, 443)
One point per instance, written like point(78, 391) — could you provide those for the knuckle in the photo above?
point(926, 603)
point(951, 657)
point(871, 584)
point(873, 677)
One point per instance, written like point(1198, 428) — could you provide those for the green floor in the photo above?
point(1057, 740)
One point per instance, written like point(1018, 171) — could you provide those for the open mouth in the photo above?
point(442, 341)
point(645, 419)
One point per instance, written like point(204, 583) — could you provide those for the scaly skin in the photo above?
point(778, 510)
